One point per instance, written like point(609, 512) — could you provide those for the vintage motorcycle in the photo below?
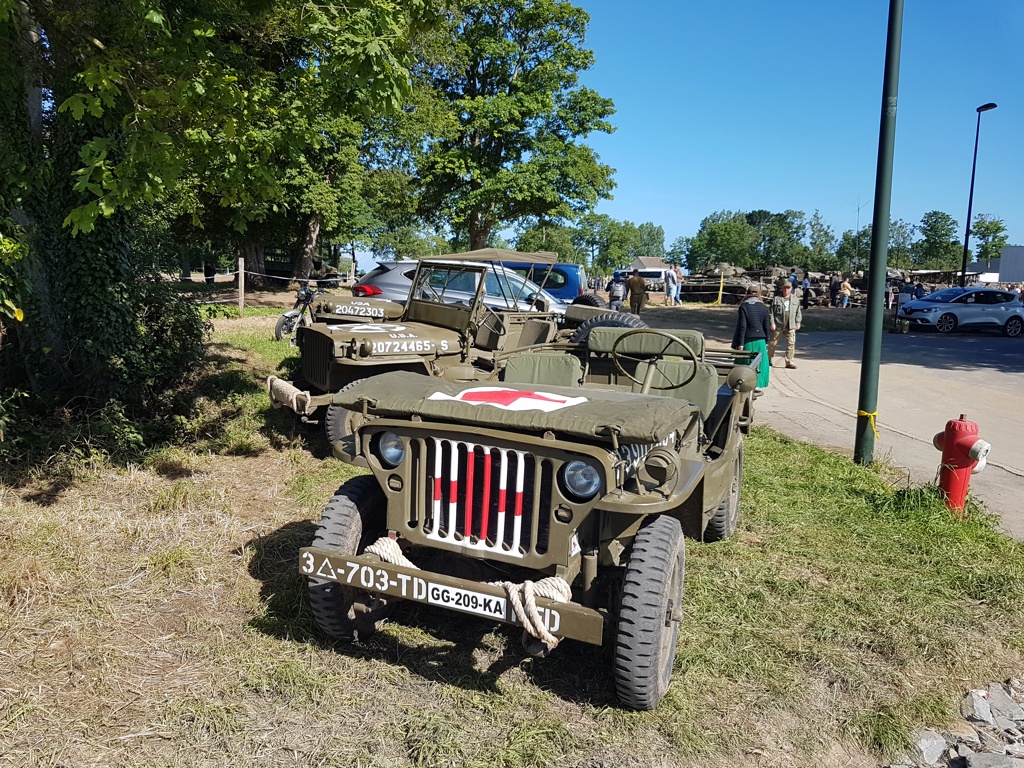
point(300, 314)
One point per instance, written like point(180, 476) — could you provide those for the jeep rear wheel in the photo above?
point(354, 518)
point(605, 320)
point(1013, 327)
point(649, 613)
point(723, 523)
point(590, 300)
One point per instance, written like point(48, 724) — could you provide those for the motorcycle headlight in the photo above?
point(390, 449)
point(581, 479)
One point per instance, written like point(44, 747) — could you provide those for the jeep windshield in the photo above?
point(453, 284)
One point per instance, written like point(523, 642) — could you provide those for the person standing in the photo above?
point(679, 284)
point(616, 292)
point(753, 326)
point(786, 318)
point(805, 291)
point(920, 292)
point(671, 285)
point(845, 292)
point(833, 290)
point(793, 279)
point(636, 290)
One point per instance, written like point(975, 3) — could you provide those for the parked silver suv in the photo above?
point(953, 308)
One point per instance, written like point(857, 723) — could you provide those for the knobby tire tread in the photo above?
point(640, 670)
point(353, 518)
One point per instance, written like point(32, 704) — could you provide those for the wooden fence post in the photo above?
point(241, 286)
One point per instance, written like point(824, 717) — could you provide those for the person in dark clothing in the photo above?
point(753, 327)
point(833, 290)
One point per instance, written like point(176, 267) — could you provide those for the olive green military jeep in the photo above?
point(463, 313)
point(555, 497)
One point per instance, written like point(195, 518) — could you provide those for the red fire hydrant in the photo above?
point(963, 454)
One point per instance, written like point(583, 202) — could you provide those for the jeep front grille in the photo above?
point(488, 499)
point(317, 359)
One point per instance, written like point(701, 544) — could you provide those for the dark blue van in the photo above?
point(567, 281)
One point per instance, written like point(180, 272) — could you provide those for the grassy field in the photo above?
point(152, 615)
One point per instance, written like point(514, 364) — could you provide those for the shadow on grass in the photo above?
point(575, 672)
point(217, 408)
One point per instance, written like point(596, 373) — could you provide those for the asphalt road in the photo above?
point(925, 379)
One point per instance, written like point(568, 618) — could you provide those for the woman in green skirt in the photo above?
point(753, 327)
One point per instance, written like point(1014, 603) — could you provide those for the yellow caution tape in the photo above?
point(871, 416)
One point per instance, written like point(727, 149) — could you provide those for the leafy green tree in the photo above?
point(990, 235)
point(614, 243)
point(780, 237)
point(854, 249)
point(724, 236)
point(545, 235)
point(111, 105)
point(938, 247)
point(901, 244)
point(821, 245)
point(652, 240)
point(506, 72)
point(676, 253)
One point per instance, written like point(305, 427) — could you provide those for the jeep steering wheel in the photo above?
point(492, 321)
point(617, 356)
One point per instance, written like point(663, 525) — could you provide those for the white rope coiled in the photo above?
point(523, 598)
point(387, 549)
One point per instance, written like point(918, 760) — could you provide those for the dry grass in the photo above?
point(153, 616)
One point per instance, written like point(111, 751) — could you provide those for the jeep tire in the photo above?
point(605, 320)
point(341, 423)
point(590, 300)
point(723, 523)
point(649, 613)
point(355, 517)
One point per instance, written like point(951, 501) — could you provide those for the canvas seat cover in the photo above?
point(601, 340)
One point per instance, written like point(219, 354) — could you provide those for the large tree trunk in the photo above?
point(251, 249)
point(479, 231)
point(304, 262)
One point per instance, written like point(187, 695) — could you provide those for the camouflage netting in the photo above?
point(586, 413)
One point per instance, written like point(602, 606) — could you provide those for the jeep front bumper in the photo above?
point(370, 573)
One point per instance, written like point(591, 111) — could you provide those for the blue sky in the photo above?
point(747, 104)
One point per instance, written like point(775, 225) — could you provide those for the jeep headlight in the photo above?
point(390, 449)
point(581, 479)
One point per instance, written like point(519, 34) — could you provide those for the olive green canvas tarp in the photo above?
point(574, 411)
point(498, 255)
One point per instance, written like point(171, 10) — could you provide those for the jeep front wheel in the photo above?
point(355, 517)
point(341, 423)
point(649, 613)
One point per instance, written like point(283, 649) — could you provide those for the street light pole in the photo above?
point(970, 198)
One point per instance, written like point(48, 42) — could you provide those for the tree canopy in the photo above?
point(510, 115)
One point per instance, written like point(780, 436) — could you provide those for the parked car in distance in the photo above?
point(966, 308)
point(565, 281)
point(392, 280)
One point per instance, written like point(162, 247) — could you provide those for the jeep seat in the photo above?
point(702, 390)
point(601, 341)
point(540, 368)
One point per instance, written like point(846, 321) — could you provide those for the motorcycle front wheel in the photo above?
point(287, 323)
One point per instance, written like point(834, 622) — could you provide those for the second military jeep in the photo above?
point(463, 312)
point(556, 498)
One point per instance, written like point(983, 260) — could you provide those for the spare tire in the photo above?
point(605, 320)
point(590, 300)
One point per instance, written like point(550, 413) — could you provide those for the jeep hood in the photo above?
point(584, 413)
